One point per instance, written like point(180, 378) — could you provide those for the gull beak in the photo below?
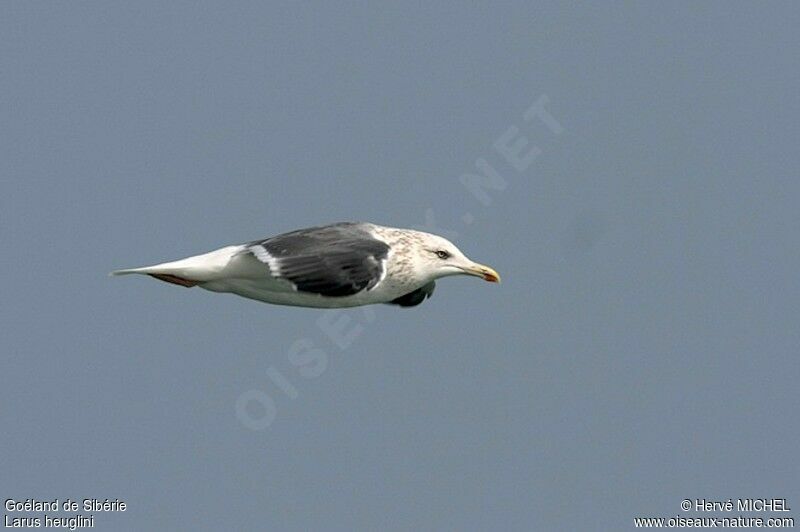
point(485, 272)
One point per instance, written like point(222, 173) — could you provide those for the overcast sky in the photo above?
point(638, 194)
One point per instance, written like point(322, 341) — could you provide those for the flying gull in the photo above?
point(339, 265)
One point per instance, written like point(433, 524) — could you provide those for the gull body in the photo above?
point(339, 265)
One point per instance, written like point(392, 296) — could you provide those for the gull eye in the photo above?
point(442, 254)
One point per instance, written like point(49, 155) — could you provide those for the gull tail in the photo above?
point(190, 271)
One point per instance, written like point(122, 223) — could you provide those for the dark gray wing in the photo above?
point(412, 299)
point(334, 260)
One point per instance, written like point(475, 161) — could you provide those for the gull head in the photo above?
point(434, 257)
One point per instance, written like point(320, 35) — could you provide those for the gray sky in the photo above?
point(642, 349)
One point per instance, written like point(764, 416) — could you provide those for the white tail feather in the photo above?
point(206, 267)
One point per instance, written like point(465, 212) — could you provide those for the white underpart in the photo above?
point(233, 269)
